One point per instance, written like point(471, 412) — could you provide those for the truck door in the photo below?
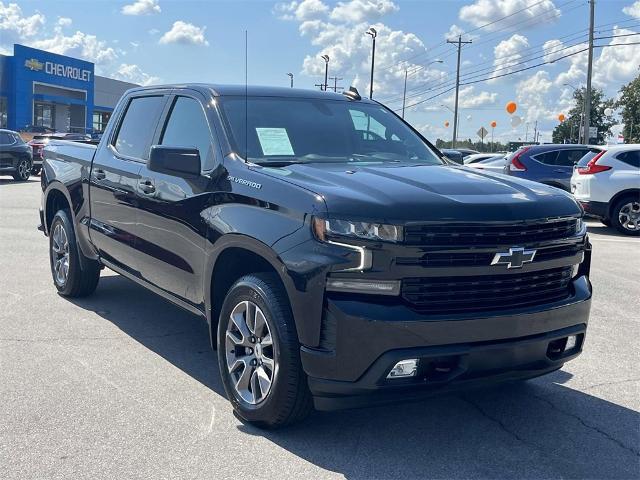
point(115, 178)
point(170, 229)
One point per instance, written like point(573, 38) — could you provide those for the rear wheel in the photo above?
point(74, 275)
point(23, 170)
point(259, 354)
point(626, 215)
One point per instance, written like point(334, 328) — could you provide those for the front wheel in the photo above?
point(259, 354)
point(74, 275)
point(626, 216)
point(22, 171)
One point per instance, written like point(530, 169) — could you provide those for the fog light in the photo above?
point(572, 342)
point(404, 368)
point(348, 285)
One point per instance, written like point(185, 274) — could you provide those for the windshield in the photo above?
point(292, 130)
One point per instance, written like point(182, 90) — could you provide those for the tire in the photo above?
point(606, 221)
point(286, 399)
point(74, 275)
point(625, 216)
point(23, 170)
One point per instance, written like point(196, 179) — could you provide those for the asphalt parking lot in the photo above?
point(124, 385)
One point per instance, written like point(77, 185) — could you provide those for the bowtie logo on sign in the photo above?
point(34, 65)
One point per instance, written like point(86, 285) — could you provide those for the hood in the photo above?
point(395, 193)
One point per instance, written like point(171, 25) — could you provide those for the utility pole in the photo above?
point(372, 31)
point(587, 99)
point(459, 42)
point(291, 76)
point(404, 95)
point(535, 132)
point(335, 83)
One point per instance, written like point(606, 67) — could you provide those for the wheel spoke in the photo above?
point(250, 356)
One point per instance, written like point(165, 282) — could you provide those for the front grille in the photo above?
point(472, 259)
point(443, 295)
point(477, 234)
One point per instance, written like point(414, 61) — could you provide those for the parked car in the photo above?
point(478, 157)
point(16, 157)
point(40, 141)
point(30, 131)
point(493, 164)
point(453, 155)
point(548, 164)
point(466, 152)
point(334, 268)
point(606, 182)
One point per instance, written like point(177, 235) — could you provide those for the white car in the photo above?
point(606, 182)
point(494, 164)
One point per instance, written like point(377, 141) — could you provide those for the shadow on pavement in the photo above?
point(11, 181)
point(601, 229)
point(534, 429)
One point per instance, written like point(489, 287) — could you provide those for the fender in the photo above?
point(618, 196)
point(79, 215)
point(234, 240)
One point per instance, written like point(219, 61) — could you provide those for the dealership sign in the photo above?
point(58, 70)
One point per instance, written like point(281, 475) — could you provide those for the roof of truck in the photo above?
point(254, 91)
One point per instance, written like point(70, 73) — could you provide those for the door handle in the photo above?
point(99, 174)
point(147, 187)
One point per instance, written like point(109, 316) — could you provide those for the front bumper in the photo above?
point(454, 353)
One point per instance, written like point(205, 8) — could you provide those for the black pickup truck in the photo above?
point(338, 258)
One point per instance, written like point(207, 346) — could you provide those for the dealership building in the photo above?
point(43, 89)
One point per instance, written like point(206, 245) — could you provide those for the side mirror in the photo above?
point(174, 160)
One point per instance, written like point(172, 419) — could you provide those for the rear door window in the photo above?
point(548, 158)
point(631, 158)
point(568, 158)
point(138, 126)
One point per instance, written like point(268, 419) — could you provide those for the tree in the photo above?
point(570, 130)
point(630, 103)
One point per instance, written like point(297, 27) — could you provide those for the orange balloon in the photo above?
point(494, 124)
point(561, 117)
point(446, 124)
point(511, 107)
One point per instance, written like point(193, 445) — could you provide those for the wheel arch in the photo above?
point(55, 199)
point(235, 256)
point(616, 198)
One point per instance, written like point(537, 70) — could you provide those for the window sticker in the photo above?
point(274, 141)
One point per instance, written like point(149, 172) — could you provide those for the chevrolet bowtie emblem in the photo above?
point(516, 257)
point(33, 64)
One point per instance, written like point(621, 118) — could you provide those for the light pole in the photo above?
point(372, 31)
point(575, 89)
point(406, 73)
point(291, 76)
point(326, 70)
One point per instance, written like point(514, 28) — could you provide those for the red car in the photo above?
point(40, 141)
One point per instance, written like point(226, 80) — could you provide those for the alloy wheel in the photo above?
point(24, 169)
point(629, 216)
point(60, 254)
point(250, 354)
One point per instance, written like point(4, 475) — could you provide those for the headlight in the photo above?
point(579, 225)
point(366, 230)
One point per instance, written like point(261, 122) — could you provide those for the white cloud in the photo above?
point(574, 63)
point(64, 21)
point(482, 12)
point(509, 52)
point(633, 10)
point(184, 33)
point(617, 65)
point(141, 7)
point(14, 26)
point(469, 98)
point(356, 11)
point(533, 97)
point(301, 11)
point(80, 45)
point(133, 74)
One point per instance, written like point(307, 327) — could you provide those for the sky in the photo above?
point(164, 41)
